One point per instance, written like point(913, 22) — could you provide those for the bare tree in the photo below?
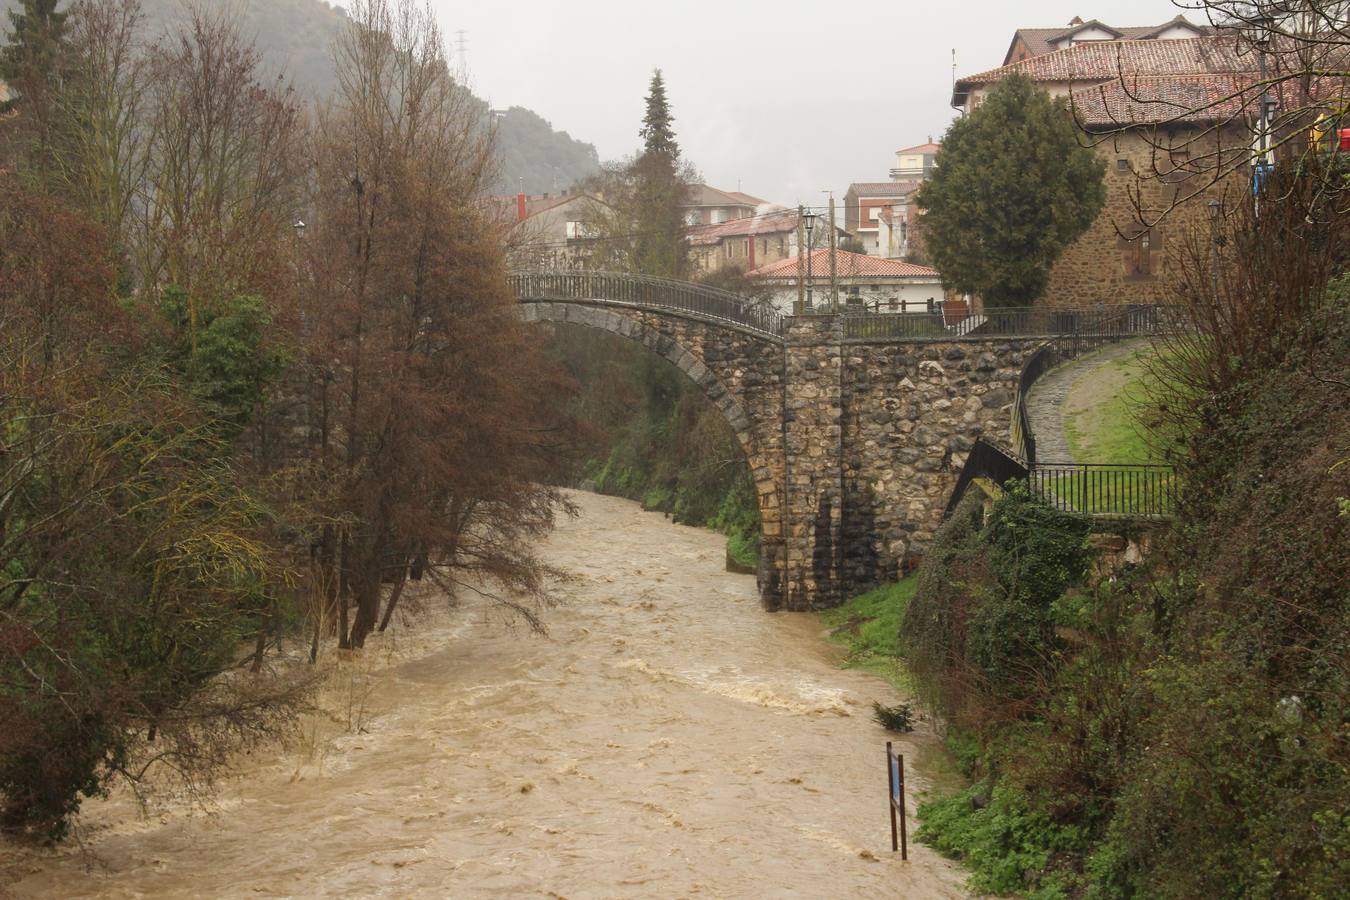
point(224, 165)
point(437, 419)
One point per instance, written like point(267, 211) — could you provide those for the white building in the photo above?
point(880, 285)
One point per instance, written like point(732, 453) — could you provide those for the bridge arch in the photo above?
point(736, 368)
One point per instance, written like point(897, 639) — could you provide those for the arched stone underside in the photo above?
point(739, 372)
point(854, 445)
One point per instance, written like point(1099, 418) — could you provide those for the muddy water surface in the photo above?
point(667, 739)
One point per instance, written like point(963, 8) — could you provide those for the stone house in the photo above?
point(1146, 130)
point(865, 282)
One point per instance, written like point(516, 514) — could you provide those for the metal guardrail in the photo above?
point(1009, 322)
point(986, 460)
point(1099, 491)
point(642, 290)
point(1107, 491)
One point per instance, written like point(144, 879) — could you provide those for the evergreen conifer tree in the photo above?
point(28, 61)
point(659, 191)
point(1012, 189)
point(657, 132)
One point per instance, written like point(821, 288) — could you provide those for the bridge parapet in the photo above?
point(650, 293)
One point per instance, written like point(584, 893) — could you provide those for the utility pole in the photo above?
point(834, 263)
point(801, 280)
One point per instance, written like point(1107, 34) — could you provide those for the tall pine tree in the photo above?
point(659, 246)
point(658, 134)
point(28, 62)
point(1012, 189)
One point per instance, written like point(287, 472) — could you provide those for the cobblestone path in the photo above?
point(1045, 405)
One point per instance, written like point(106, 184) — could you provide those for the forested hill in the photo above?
point(295, 36)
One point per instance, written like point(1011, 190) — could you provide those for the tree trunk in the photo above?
point(393, 600)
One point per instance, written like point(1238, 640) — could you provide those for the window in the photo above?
point(874, 213)
point(1122, 165)
point(1141, 254)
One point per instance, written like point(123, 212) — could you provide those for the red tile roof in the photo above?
point(1158, 99)
point(1039, 41)
point(1102, 61)
point(847, 265)
point(929, 147)
point(882, 189)
point(768, 223)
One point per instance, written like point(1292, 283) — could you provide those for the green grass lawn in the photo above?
point(1105, 409)
point(868, 627)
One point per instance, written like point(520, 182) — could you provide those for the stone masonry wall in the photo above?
point(1100, 267)
point(912, 412)
point(855, 446)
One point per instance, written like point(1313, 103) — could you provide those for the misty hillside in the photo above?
point(295, 36)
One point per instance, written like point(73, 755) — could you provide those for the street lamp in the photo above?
point(299, 227)
point(1259, 31)
point(809, 218)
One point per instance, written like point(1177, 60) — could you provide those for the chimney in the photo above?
point(520, 207)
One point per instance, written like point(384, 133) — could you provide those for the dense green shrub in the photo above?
point(1178, 731)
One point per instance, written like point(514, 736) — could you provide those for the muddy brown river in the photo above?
point(667, 738)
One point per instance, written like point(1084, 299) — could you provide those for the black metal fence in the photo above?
point(1012, 322)
point(894, 325)
point(1127, 491)
point(1101, 491)
point(641, 290)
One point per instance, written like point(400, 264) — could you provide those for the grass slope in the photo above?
point(868, 627)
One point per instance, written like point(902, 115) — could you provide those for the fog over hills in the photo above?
point(295, 37)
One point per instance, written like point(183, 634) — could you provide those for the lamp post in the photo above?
point(810, 219)
point(1260, 32)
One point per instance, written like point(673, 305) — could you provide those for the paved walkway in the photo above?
point(1045, 405)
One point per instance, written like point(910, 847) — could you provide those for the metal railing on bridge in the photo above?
point(1009, 322)
point(642, 290)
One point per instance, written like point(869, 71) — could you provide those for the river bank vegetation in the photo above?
point(259, 368)
point(1175, 729)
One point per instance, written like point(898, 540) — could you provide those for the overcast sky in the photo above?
point(785, 100)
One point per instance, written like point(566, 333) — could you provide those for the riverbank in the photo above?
point(667, 738)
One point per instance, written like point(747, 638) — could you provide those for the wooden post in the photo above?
point(834, 264)
point(890, 796)
point(801, 267)
point(904, 837)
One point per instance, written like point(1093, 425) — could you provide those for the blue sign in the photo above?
point(1260, 172)
point(895, 780)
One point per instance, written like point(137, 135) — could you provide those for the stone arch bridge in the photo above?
point(855, 428)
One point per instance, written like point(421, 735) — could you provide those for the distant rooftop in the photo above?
point(706, 195)
point(870, 190)
point(847, 265)
point(1103, 61)
point(1039, 41)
